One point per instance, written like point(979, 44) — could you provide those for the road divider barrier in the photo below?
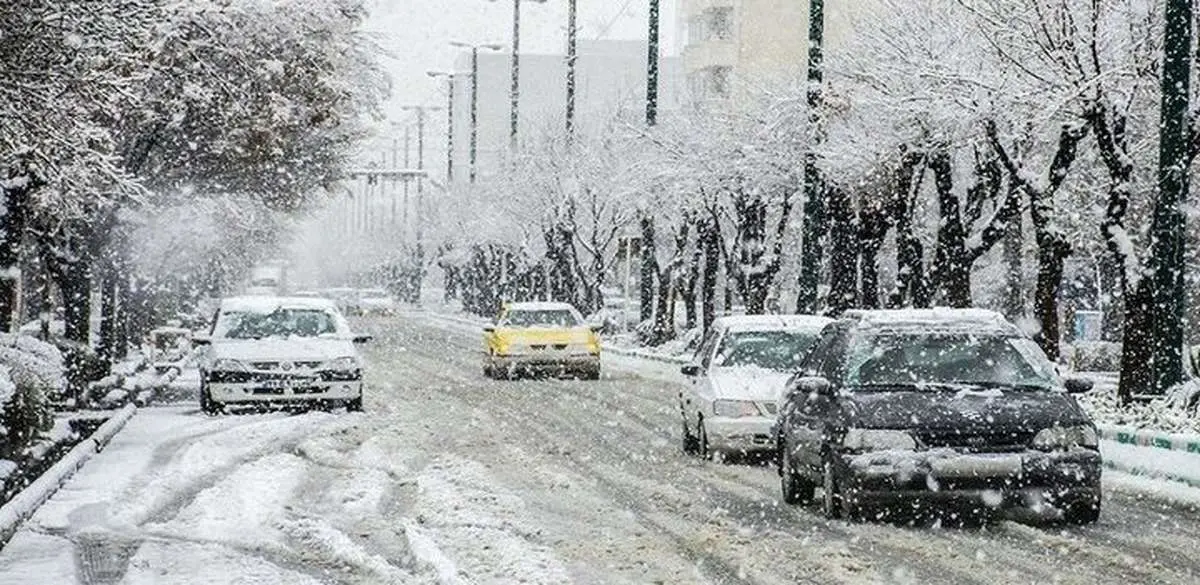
point(1152, 453)
point(25, 503)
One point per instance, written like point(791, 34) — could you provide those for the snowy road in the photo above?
point(450, 478)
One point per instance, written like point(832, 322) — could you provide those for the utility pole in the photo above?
point(813, 226)
point(571, 58)
point(1167, 227)
point(652, 67)
point(404, 208)
point(474, 142)
point(449, 121)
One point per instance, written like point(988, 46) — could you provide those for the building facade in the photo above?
point(610, 83)
point(741, 45)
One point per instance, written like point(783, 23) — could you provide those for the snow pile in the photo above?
point(461, 509)
point(1165, 414)
point(31, 371)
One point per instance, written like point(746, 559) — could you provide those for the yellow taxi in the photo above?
point(540, 338)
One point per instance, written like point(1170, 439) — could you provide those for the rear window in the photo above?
point(540, 318)
point(772, 350)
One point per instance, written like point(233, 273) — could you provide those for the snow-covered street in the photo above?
point(451, 478)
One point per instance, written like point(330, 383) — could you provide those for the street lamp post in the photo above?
point(449, 120)
point(421, 112)
point(474, 143)
point(652, 66)
point(571, 58)
point(515, 93)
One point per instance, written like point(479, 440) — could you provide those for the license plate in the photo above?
point(277, 384)
point(977, 466)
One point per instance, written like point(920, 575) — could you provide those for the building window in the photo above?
point(714, 24)
point(711, 83)
point(719, 23)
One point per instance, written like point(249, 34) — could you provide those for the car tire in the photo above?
point(691, 443)
point(207, 404)
point(831, 498)
point(1083, 511)
point(354, 405)
point(794, 487)
point(592, 374)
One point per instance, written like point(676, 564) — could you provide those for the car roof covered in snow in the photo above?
point(936, 319)
point(257, 304)
point(540, 306)
point(812, 323)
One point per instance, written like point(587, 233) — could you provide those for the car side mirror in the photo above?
point(489, 328)
point(690, 370)
point(363, 338)
point(201, 340)
point(817, 385)
point(1078, 385)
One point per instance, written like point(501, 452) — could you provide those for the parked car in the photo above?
point(376, 301)
point(904, 409)
point(733, 385)
point(540, 337)
point(346, 299)
point(280, 351)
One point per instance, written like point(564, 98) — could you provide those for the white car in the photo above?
point(732, 386)
point(281, 351)
point(376, 301)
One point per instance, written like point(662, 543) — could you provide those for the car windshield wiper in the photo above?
point(1001, 385)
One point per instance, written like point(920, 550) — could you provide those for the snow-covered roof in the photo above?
point(812, 323)
point(939, 318)
point(258, 304)
point(540, 306)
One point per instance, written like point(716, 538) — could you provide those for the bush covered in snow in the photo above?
point(30, 371)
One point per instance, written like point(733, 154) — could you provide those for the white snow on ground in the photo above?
point(485, 529)
point(1151, 462)
point(185, 563)
point(1141, 485)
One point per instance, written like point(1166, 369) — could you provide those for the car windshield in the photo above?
point(772, 350)
point(540, 318)
point(934, 361)
point(280, 323)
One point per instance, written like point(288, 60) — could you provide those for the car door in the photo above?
point(697, 391)
point(812, 410)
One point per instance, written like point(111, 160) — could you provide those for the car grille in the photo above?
point(977, 441)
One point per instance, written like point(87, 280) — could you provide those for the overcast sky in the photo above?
point(415, 33)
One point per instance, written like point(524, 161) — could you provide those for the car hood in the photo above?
point(545, 335)
point(744, 383)
point(965, 410)
point(275, 349)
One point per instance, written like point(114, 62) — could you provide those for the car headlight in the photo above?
point(878, 440)
point(593, 343)
point(228, 365)
point(734, 408)
point(343, 364)
point(1066, 437)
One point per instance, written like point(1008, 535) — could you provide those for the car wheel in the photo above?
point(592, 373)
point(1083, 511)
point(702, 443)
point(207, 404)
point(354, 405)
point(691, 444)
point(794, 487)
point(831, 500)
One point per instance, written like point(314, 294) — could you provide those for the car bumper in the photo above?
point(543, 362)
point(739, 435)
point(997, 478)
point(256, 392)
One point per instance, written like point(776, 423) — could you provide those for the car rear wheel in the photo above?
point(831, 500)
point(354, 405)
point(794, 487)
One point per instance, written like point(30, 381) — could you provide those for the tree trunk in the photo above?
point(107, 343)
point(1014, 273)
point(951, 263)
point(1137, 355)
point(12, 232)
point(910, 254)
point(75, 284)
point(843, 252)
point(710, 242)
point(649, 267)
